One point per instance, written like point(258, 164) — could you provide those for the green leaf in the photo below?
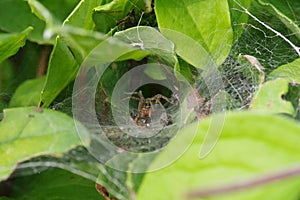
point(27, 132)
point(122, 48)
point(82, 15)
point(54, 184)
point(290, 72)
point(69, 52)
point(40, 11)
point(77, 160)
point(45, 15)
point(10, 43)
point(81, 41)
point(28, 93)
point(61, 71)
point(109, 14)
point(201, 22)
point(52, 23)
point(150, 41)
point(250, 146)
point(268, 98)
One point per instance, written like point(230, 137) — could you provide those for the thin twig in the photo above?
point(43, 61)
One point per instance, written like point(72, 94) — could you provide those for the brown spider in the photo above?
point(145, 107)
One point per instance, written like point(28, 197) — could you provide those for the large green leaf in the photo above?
point(61, 71)
point(290, 72)
point(268, 98)
point(10, 43)
point(56, 184)
point(28, 131)
point(78, 160)
point(28, 93)
point(200, 21)
point(251, 146)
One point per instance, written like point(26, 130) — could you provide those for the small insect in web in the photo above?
point(146, 108)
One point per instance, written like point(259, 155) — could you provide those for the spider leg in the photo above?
point(157, 98)
point(139, 94)
point(170, 100)
point(135, 98)
point(131, 93)
point(151, 105)
point(158, 101)
point(130, 96)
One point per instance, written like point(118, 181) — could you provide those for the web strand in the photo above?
point(296, 48)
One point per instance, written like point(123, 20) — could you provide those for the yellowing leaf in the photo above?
point(268, 98)
point(290, 72)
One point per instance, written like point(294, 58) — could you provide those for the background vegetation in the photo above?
point(253, 43)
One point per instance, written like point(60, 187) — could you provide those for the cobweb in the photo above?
point(263, 36)
point(129, 135)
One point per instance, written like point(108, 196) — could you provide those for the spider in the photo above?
point(145, 107)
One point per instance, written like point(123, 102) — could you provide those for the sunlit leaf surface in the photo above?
point(30, 131)
point(250, 146)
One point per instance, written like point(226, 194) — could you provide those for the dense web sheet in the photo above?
point(266, 39)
